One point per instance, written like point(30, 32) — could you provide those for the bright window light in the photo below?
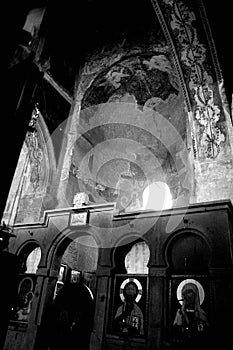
point(33, 260)
point(157, 196)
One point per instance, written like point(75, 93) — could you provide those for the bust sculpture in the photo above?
point(80, 199)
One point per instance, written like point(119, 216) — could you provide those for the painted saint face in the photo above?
point(189, 298)
point(130, 292)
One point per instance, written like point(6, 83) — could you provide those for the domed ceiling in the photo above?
point(133, 113)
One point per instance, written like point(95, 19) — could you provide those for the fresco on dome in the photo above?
point(126, 119)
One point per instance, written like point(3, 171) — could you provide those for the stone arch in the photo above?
point(61, 242)
point(49, 195)
point(187, 251)
point(73, 301)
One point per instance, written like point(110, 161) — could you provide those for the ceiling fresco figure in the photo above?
point(123, 112)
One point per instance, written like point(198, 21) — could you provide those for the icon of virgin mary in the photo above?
point(190, 319)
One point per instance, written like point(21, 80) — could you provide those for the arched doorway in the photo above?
point(72, 311)
point(72, 317)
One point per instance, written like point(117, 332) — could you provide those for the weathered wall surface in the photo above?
point(131, 127)
point(130, 99)
point(148, 107)
point(30, 191)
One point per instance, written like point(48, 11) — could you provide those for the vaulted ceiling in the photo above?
point(78, 27)
point(75, 28)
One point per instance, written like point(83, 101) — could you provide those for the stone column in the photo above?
point(102, 301)
point(157, 278)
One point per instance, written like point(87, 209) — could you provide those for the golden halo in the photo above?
point(183, 283)
point(138, 284)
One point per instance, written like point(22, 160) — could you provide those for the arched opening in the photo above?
point(72, 310)
point(30, 257)
point(72, 317)
point(79, 263)
point(137, 258)
point(33, 260)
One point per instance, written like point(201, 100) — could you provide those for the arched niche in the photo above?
point(188, 253)
point(74, 259)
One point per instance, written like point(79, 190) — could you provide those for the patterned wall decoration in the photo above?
point(183, 27)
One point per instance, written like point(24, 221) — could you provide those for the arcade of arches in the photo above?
point(121, 200)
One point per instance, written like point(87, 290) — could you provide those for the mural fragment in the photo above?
point(125, 145)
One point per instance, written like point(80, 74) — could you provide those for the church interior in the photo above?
point(117, 189)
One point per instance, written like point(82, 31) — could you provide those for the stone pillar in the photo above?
point(9, 269)
point(69, 139)
point(157, 278)
point(221, 307)
point(102, 302)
